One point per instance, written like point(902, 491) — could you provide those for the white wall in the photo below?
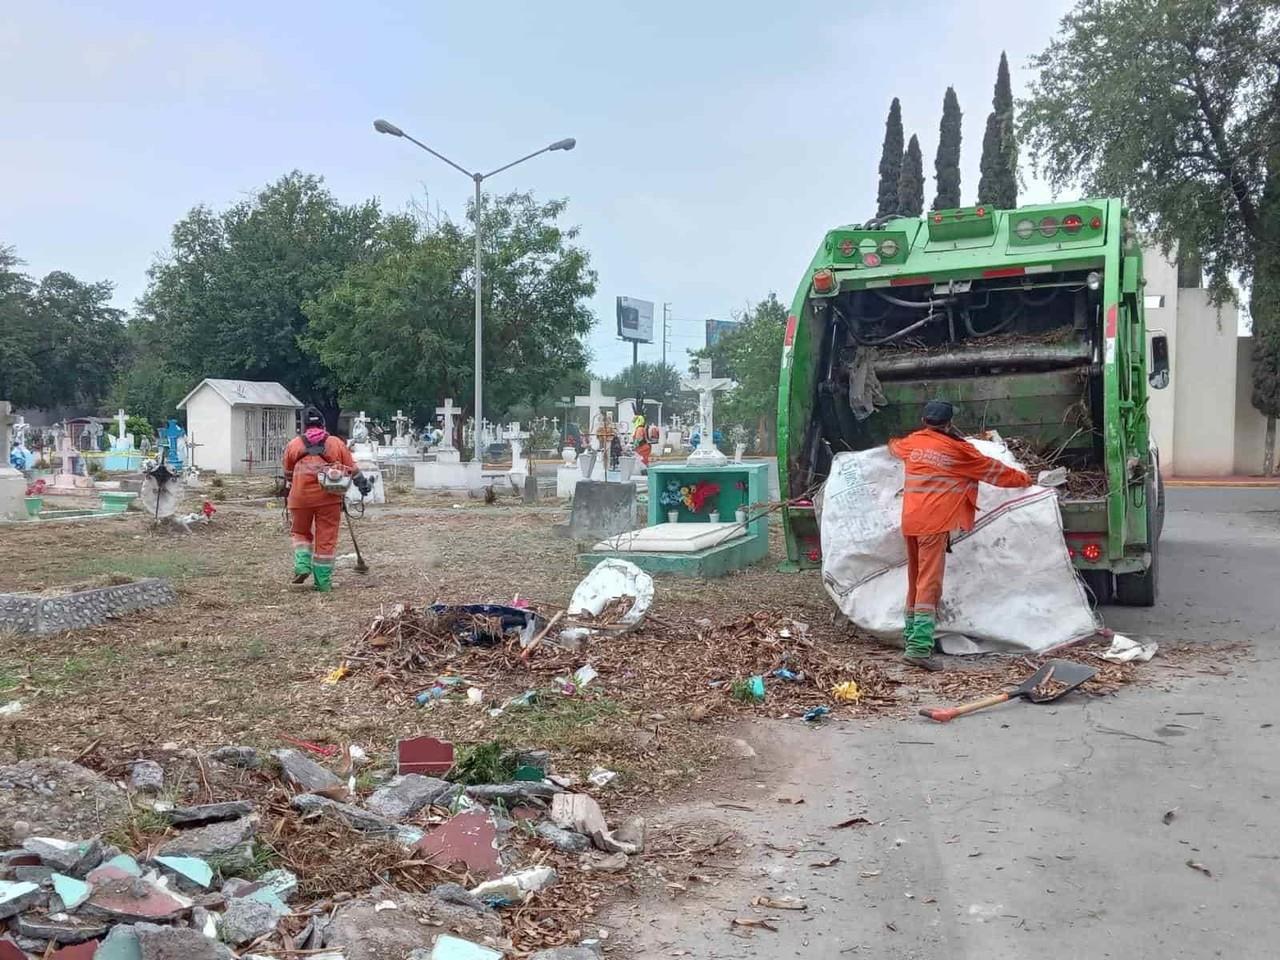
point(235, 437)
point(1204, 433)
point(1162, 280)
point(1251, 426)
point(208, 424)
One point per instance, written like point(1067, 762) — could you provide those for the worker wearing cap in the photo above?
point(315, 513)
point(940, 498)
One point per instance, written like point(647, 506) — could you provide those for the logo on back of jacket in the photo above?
point(932, 457)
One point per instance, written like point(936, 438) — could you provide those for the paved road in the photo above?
point(1037, 832)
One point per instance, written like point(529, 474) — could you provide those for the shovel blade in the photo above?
point(1062, 676)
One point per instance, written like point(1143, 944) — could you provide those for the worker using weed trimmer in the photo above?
point(940, 498)
point(318, 470)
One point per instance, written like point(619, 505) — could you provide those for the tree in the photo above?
point(19, 370)
point(752, 355)
point(911, 182)
point(1184, 124)
point(998, 184)
point(890, 162)
point(226, 301)
point(397, 329)
point(657, 381)
point(62, 341)
point(946, 164)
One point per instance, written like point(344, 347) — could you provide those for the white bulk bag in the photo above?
point(1009, 582)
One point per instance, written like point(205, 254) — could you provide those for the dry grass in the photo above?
point(241, 657)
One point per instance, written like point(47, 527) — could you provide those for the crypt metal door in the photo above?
point(267, 430)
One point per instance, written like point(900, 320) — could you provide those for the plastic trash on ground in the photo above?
point(611, 578)
point(514, 887)
point(602, 777)
point(1127, 650)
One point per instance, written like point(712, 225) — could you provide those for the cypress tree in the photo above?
point(999, 183)
point(946, 165)
point(890, 162)
point(911, 181)
point(991, 162)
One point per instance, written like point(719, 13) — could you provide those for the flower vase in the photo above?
point(673, 516)
point(714, 516)
point(738, 450)
point(740, 515)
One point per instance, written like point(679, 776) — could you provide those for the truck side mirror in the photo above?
point(1158, 372)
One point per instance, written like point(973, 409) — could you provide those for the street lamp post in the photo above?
point(383, 126)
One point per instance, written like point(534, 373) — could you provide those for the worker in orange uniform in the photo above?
point(318, 468)
point(640, 440)
point(940, 498)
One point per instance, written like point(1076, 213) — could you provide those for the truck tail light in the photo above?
point(871, 259)
point(1025, 229)
point(1071, 223)
point(824, 281)
point(1095, 223)
point(1048, 226)
point(888, 248)
point(1091, 552)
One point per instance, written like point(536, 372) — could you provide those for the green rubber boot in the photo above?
point(301, 564)
point(907, 626)
point(920, 637)
point(324, 577)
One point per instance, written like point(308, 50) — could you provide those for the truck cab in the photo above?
point(1030, 321)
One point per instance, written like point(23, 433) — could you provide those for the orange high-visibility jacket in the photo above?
point(306, 490)
point(943, 473)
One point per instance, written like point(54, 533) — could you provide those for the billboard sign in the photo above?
point(718, 328)
point(635, 320)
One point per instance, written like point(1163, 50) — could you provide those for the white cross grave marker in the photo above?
point(594, 401)
point(447, 412)
point(121, 420)
point(360, 428)
point(706, 386)
point(400, 420)
point(516, 437)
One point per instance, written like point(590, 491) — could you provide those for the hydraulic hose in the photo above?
point(1000, 327)
point(909, 304)
point(897, 334)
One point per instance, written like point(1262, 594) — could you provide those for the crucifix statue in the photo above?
point(706, 386)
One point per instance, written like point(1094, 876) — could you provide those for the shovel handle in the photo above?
point(943, 714)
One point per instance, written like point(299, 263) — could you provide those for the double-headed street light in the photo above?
point(383, 126)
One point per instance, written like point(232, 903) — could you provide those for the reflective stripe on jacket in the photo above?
point(942, 477)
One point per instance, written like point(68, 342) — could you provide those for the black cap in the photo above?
point(938, 412)
point(313, 418)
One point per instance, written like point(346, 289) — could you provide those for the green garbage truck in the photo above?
point(1031, 321)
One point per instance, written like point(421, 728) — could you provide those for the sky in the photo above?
point(717, 141)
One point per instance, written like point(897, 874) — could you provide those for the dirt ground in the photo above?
point(241, 658)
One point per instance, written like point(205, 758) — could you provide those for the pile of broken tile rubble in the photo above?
point(68, 894)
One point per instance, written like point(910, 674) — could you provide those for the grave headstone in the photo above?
point(595, 401)
point(447, 452)
point(13, 485)
point(402, 422)
point(706, 386)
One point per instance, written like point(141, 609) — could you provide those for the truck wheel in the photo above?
point(1139, 589)
point(1099, 584)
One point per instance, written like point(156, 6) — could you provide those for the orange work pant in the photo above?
point(926, 560)
point(326, 521)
